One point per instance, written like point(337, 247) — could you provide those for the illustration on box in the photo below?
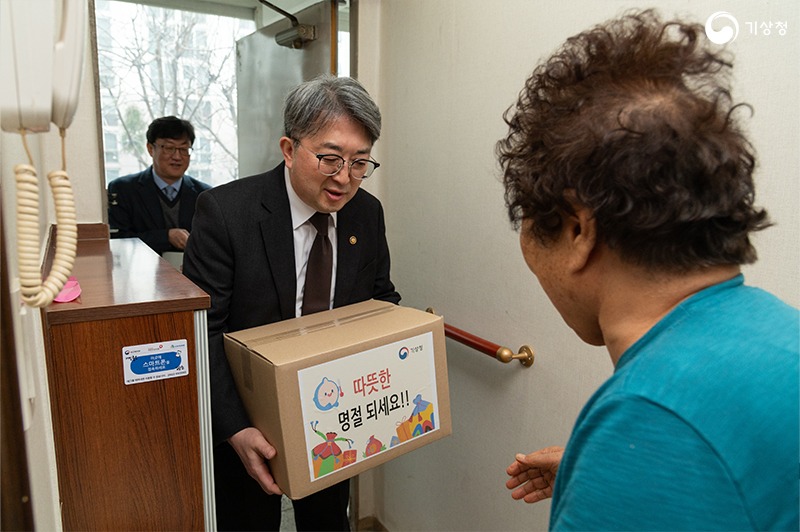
point(329, 456)
point(358, 406)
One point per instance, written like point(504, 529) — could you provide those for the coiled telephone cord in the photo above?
point(34, 291)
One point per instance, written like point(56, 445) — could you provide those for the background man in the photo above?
point(250, 250)
point(157, 204)
point(632, 183)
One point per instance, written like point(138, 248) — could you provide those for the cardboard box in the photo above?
point(343, 391)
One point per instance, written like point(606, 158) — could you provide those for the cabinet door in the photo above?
point(128, 455)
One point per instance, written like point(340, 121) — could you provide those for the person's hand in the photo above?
point(177, 237)
point(533, 475)
point(254, 450)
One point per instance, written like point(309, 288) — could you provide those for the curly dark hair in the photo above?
point(633, 119)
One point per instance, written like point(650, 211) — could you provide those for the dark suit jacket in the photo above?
point(134, 208)
point(242, 254)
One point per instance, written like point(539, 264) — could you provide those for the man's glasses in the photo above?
point(330, 164)
point(170, 150)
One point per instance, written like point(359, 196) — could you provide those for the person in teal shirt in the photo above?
point(631, 181)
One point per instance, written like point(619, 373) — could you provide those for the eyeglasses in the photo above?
point(170, 150)
point(330, 164)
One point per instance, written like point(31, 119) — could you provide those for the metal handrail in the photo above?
point(503, 354)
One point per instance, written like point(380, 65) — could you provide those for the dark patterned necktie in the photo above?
point(317, 292)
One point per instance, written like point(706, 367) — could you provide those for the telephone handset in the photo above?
point(68, 53)
point(39, 84)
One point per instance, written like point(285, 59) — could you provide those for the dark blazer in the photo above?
point(134, 208)
point(242, 254)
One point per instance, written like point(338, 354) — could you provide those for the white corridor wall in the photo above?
point(443, 72)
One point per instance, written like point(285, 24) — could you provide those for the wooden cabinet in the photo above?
point(129, 456)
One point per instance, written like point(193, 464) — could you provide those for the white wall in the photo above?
point(443, 72)
point(83, 157)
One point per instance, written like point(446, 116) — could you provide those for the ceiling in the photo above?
point(247, 9)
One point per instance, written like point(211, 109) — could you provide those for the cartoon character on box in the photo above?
point(422, 420)
point(327, 394)
point(327, 457)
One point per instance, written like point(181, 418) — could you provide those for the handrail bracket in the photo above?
point(525, 355)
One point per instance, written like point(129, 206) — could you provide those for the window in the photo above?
point(157, 62)
point(111, 149)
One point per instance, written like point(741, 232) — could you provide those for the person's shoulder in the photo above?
point(742, 314)
point(128, 179)
point(247, 187)
point(771, 303)
point(364, 200)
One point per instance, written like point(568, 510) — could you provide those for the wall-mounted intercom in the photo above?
point(41, 63)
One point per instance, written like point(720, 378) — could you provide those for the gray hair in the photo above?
point(310, 106)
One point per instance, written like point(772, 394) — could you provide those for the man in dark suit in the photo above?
point(250, 251)
point(157, 204)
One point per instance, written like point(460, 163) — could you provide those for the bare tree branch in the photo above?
point(166, 62)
